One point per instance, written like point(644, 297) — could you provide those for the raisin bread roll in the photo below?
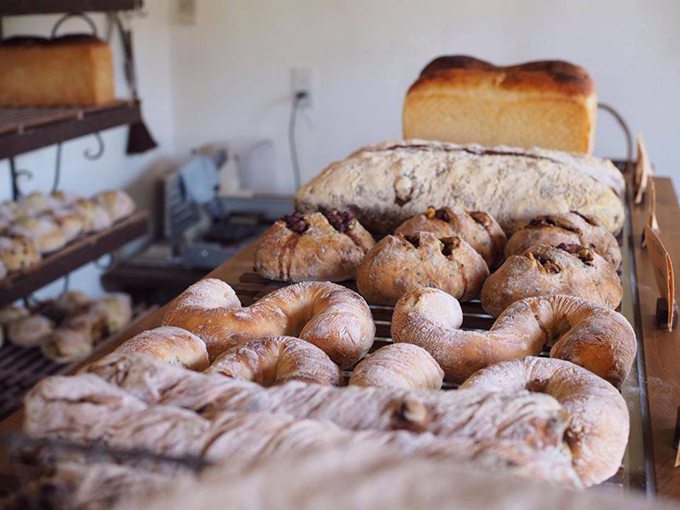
point(398, 264)
point(312, 247)
point(476, 228)
point(569, 228)
point(18, 252)
point(544, 270)
point(404, 366)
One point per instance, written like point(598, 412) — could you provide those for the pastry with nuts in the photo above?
point(477, 228)
point(544, 270)
point(313, 247)
point(400, 263)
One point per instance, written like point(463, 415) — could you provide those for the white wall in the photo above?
point(115, 169)
point(231, 71)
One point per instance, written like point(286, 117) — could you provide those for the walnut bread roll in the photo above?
point(385, 184)
point(549, 104)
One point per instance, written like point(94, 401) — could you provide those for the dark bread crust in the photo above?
point(556, 76)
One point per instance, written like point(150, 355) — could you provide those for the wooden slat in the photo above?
point(23, 7)
point(661, 348)
point(76, 254)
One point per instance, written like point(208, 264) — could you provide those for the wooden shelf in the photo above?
point(78, 253)
point(22, 7)
point(24, 129)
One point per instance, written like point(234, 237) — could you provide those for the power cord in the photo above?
point(299, 97)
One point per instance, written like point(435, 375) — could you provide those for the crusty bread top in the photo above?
point(63, 40)
point(554, 76)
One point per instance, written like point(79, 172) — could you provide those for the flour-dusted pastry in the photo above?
point(7, 216)
point(70, 222)
point(71, 302)
point(334, 318)
point(277, 360)
point(544, 270)
point(590, 335)
point(398, 264)
point(117, 203)
point(37, 203)
point(312, 247)
point(117, 307)
point(29, 331)
point(12, 313)
point(65, 345)
point(405, 366)
point(45, 233)
point(65, 198)
point(568, 228)
point(18, 252)
point(461, 99)
point(387, 183)
point(477, 228)
point(597, 410)
point(169, 344)
point(89, 321)
point(95, 218)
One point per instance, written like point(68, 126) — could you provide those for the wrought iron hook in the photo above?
point(69, 15)
point(92, 156)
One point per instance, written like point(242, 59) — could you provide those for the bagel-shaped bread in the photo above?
point(544, 270)
point(277, 360)
point(66, 345)
point(171, 345)
point(398, 264)
point(46, 234)
point(568, 228)
point(117, 203)
point(477, 228)
point(590, 335)
point(332, 317)
point(598, 427)
point(18, 252)
point(313, 247)
point(29, 331)
point(404, 366)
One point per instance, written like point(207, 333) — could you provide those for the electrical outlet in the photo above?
point(186, 12)
point(302, 80)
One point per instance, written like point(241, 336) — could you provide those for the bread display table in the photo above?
point(652, 391)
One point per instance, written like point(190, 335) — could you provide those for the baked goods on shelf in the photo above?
point(597, 411)
point(29, 331)
point(64, 345)
point(398, 264)
point(568, 228)
point(476, 228)
point(334, 318)
point(312, 247)
point(45, 233)
point(461, 99)
point(389, 182)
point(544, 270)
point(277, 360)
point(68, 70)
point(117, 203)
point(18, 252)
point(404, 366)
point(585, 333)
point(94, 217)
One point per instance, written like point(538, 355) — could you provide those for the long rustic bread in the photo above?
point(387, 183)
point(460, 99)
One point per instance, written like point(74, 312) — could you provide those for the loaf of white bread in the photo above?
point(68, 70)
point(549, 104)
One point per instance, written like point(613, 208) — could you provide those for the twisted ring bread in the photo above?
point(277, 360)
point(590, 335)
point(404, 366)
point(332, 317)
point(599, 421)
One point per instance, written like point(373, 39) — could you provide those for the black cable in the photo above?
point(299, 96)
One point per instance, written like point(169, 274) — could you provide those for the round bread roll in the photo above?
point(37, 203)
point(71, 302)
point(65, 198)
point(90, 321)
point(334, 318)
point(94, 216)
point(599, 422)
point(567, 228)
point(171, 345)
point(544, 270)
point(18, 252)
point(117, 203)
point(117, 306)
point(46, 234)
point(477, 228)
point(277, 360)
point(66, 345)
point(29, 331)
point(12, 313)
point(590, 335)
point(313, 247)
point(398, 264)
point(404, 366)
point(70, 222)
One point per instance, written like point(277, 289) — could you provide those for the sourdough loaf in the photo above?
point(386, 183)
point(549, 104)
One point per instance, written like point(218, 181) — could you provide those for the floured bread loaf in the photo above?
point(386, 183)
point(549, 104)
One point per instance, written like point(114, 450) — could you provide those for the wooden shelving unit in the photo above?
point(25, 7)
point(78, 253)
